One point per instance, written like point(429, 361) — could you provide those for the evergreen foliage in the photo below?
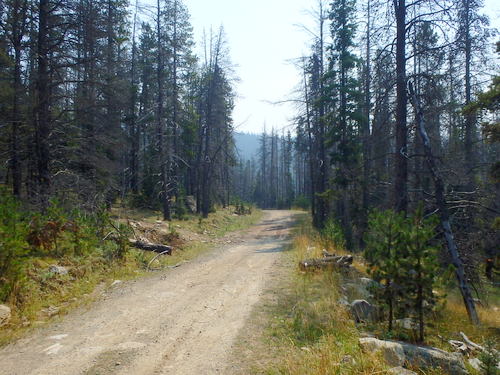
point(385, 249)
point(402, 259)
point(490, 358)
point(13, 244)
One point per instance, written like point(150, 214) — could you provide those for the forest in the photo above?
point(397, 109)
point(96, 106)
point(392, 148)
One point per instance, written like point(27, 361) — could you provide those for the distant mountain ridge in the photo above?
point(247, 145)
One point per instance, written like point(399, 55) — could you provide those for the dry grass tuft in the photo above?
point(310, 332)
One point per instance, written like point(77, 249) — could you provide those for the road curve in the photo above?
point(181, 321)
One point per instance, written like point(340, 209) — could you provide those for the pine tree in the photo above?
point(420, 265)
point(346, 116)
point(385, 248)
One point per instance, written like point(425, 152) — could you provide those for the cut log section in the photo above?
point(157, 248)
point(343, 261)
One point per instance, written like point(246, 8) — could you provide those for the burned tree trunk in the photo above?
point(147, 246)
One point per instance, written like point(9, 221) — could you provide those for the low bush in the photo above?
point(56, 233)
point(301, 202)
point(332, 236)
point(14, 247)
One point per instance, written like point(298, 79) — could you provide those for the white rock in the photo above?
point(392, 351)
point(53, 349)
point(58, 270)
point(58, 337)
point(116, 282)
point(5, 315)
point(397, 353)
point(348, 359)
point(51, 311)
point(343, 301)
point(401, 371)
point(475, 363)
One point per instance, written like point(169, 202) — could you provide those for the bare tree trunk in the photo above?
point(175, 105)
point(42, 121)
point(322, 210)
point(310, 149)
point(18, 29)
point(443, 212)
point(401, 178)
point(366, 127)
point(159, 121)
point(134, 129)
point(470, 156)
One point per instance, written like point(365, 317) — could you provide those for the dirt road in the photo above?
point(181, 321)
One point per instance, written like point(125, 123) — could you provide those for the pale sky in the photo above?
point(263, 36)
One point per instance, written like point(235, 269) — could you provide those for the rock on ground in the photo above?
point(369, 283)
point(475, 363)
point(59, 270)
point(401, 371)
point(420, 356)
point(5, 315)
point(399, 353)
point(392, 351)
point(363, 311)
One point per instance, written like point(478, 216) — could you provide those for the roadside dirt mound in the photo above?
point(158, 232)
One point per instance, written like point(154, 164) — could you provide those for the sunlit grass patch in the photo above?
point(309, 332)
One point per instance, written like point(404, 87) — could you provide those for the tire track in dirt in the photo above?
point(182, 321)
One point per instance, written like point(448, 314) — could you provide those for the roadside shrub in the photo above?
point(59, 232)
point(180, 210)
point(384, 247)
point(489, 359)
point(13, 246)
point(332, 235)
point(301, 202)
point(120, 234)
point(403, 260)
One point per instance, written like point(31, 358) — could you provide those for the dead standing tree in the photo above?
point(444, 214)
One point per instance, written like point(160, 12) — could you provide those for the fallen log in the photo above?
point(478, 347)
point(147, 246)
point(326, 254)
point(460, 346)
point(343, 261)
